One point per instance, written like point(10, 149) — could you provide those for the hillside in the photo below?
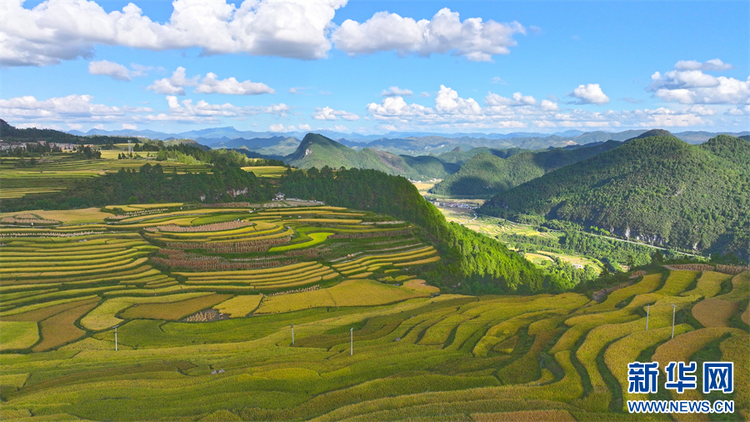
point(273, 146)
point(330, 319)
point(318, 151)
point(9, 133)
point(486, 173)
point(654, 188)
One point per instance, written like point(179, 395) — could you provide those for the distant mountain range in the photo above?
point(654, 187)
point(400, 143)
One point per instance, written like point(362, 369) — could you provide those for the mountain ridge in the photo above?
point(659, 189)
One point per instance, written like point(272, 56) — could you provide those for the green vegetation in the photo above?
point(18, 334)
point(655, 188)
point(449, 356)
point(167, 274)
point(487, 174)
point(318, 151)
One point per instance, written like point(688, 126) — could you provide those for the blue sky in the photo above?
point(376, 66)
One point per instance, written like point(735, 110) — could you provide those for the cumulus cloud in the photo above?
point(517, 100)
point(279, 127)
point(175, 84)
point(129, 126)
point(445, 32)
point(395, 107)
point(211, 84)
point(590, 94)
point(548, 105)
point(115, 70)
point(78, 107)
point(187, 111)
point(58, 30)
point(448, 101)
point(396, 91)
point(231, 86)
point(327, 113)
point(452, 112)
point(687, 84)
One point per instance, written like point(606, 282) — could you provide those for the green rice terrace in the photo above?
point(59, 171)
point(248, 311)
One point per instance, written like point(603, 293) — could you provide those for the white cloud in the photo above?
point(279, 127)
point(211, 84)
point(425, 95)
point(448, 101)
point(474, 39)
point(700, 110)
point(548, 105)
point(590, 94)
point(304, 127)
point(711, 65)
point(129, 126)
point(115, 70)
point(396, 91)
point(518, 100)
point(739, 111)
point(395, 107)
point(327, 113)
point(204, 112)
point(231, 86)
point(696, 87)
point(297, 90)
point(451, 112)
point(76, 107)
point(175, 84)
point(58, 30)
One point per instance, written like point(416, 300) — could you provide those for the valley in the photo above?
point(261, 291)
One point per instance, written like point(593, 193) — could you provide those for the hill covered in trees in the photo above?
point(487, 173)
point(655, 188)
point(318, 151)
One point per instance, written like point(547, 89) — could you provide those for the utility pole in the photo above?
point(674, 310)
point(292, 334)
point(351, 349)
point(648, 309)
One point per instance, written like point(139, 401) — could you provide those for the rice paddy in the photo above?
point(204, 300)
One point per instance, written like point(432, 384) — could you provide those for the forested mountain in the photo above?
point(318, 151)
point(9, 133)
point(486, 173)
point(654, 188)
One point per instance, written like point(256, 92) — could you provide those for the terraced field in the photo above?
point(60, 171)
point(334, 274)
